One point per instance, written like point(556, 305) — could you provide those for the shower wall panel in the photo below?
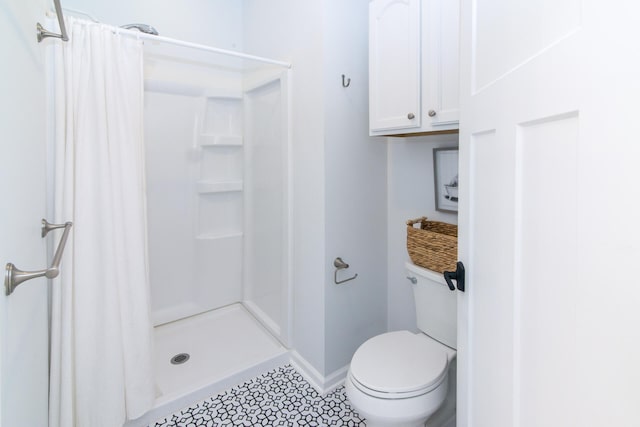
point(217, 152)
point(194, 155)
point(266, 269)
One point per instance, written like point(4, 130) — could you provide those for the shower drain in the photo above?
point(179, 359)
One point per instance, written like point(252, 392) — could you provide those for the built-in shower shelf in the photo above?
point(207, 187)
point(207, 140)
point(220, 236)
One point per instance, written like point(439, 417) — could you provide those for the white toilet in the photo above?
point(406, 379)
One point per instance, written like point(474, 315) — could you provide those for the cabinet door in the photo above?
point(394, 64)
point(441, 63)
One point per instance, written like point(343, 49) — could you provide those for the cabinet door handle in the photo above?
point(432, 113)
point(411, 116)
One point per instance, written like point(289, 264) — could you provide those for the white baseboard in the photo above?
point(335, 379)
point(319, 382)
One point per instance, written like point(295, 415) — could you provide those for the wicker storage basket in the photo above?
point(434, 245)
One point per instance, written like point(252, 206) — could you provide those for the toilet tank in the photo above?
point(436, 305)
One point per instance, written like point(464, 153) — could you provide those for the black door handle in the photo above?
point(457, 275)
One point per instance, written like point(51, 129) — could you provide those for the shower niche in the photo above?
point(217, 169)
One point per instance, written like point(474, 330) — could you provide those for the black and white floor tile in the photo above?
point(278, 398)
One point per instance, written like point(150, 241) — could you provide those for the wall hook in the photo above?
point(347, 83)
point(339, 264)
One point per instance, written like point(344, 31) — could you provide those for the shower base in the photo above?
point(226, 347)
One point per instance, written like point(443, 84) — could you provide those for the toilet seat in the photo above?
point(413, 364)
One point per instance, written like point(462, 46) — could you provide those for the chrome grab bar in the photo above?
point(14, 276)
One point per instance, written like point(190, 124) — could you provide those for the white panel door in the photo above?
point(23, 315)
point(549, 213)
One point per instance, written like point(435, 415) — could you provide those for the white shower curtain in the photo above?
point(101, 332)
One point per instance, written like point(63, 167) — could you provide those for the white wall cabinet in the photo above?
point(413, 66)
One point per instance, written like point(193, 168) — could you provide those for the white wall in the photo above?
point(23, 315)
point(212, 22)
point(339, 173)
point(356, 199)
point(291, 30)
point(410, 195)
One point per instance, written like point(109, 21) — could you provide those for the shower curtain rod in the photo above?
point(182, 43)
point(206, 48)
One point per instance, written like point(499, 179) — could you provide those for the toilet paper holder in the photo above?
point(339, 264)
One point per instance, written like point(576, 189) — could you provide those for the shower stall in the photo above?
point(218, 208)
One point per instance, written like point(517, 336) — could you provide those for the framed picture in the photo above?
point(445, 171)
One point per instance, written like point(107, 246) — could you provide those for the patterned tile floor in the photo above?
point(278, 398)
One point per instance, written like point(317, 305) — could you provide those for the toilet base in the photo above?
point(445, 416)
point(410, 412)
point(442, 415)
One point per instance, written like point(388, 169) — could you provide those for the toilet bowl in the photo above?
point(399, 379)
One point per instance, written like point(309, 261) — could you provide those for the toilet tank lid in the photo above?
point(399, 362)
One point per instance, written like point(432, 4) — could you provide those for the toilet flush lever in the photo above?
point(339, 264)
point(457, 275)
